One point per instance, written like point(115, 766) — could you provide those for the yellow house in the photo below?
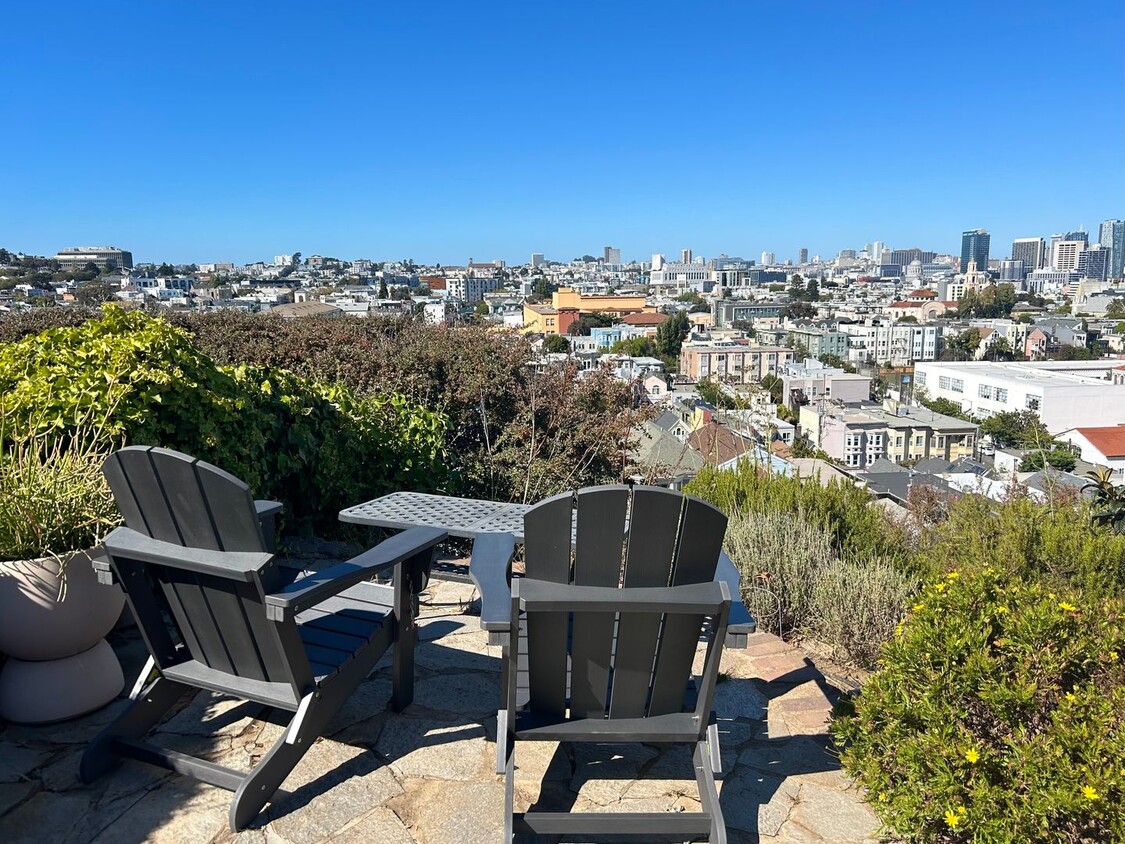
point(568, 297)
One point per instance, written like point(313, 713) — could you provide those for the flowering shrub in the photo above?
point(998, 714)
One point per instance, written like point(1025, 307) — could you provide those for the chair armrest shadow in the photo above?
point(313, 588)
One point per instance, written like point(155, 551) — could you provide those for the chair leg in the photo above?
point(509, 793)
point(143, 714)
point(709, 794)
point(410, 579)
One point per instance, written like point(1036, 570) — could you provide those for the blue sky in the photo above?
point(205, 131)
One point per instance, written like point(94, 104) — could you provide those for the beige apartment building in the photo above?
point(735, 364)
point(858, 436)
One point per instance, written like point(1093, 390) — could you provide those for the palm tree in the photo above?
point(1109, 500)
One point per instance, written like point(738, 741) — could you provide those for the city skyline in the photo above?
point(499, 131)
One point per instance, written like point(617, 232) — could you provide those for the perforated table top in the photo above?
point(463, 517)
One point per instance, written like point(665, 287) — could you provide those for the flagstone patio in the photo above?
point(425, 776)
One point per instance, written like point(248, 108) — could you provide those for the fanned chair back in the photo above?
point(624, 665)
point(216, 612)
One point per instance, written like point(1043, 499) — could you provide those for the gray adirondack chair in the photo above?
point(216, 613)
point(619, 590)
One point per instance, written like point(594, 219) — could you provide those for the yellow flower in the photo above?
point(952, 819)
point(1000, 610)
point(1070, 696)
point(882, 797)
point(953, 575)
point(939, 586)
point(1063, 605)
point(972, 755)
point(1113, 655)
point(918, 607)
point(1090, 793)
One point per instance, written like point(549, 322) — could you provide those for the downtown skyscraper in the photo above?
point(1030, 250)
point(974, 247)
point(1111, 234)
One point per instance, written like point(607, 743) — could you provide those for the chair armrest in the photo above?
point(267, 520)
point(313, 588)
point(689, 599)
point(741, 622)
point(490, 568)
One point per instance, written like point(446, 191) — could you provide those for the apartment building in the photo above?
point(738, 364)
point(858, 436)
point(899, 343)
point(104, 257)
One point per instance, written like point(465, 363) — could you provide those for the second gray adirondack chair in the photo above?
point(217, 614)
point(619, 591)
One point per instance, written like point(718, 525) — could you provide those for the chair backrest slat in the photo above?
point(138, 473)
point(547, 537)
point(631, 664)
point(177, 499)
point(598, 553)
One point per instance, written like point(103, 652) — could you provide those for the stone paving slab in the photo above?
point(425, 776)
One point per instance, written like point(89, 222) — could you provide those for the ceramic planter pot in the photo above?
point(36, 625)
point(57, 689)
point(52, 625)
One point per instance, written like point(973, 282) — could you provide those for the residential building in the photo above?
point(1030, 250)
point(974, 247)
point(768, 259)
point(612, 256)
point(858, 436)
point(537, 259)
point(104, 257)
point(899, 343)
point(739, 364)
point(543, 319)
point(1065, 394)
point(1102, 446)
point(1111, 234)
point(471, 288)
point(812, 380)
point(817, 340)
point(802, 255)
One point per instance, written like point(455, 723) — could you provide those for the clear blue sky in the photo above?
point(210, 131)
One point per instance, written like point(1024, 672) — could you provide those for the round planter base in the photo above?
point(58, 689)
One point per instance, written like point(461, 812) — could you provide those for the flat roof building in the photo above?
point(104, 257)
point(1065, 394)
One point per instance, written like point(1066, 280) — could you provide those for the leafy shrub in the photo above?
point(513, 433)
point(998, 715)
point(779, 556)
point(857, 605)
point(856, 530)
point(1053, 543)
point(316, 447)
point(794, 583)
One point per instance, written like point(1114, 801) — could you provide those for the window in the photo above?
point(920, 378)
point(943, 382)
point(1001, 394)
point(1033, 402)
point(985, 391)
point(958, 385)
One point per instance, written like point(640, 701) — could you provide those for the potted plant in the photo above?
point(55, 506)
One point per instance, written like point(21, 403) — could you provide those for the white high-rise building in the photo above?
point(657, 261)
point(685, 256)
point(1065, 254)
point(877, 251)
point(768, 259)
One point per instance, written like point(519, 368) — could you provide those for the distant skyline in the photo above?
point(439, 131)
